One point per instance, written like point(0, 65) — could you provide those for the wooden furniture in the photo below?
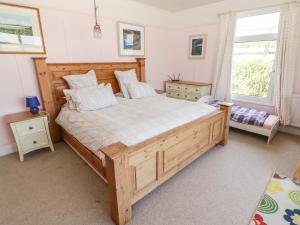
point(31, 132)
point(269, 129)
point(297, 173)
point(131, 172)
point(187, 90)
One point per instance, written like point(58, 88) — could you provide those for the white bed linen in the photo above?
point(130, 122)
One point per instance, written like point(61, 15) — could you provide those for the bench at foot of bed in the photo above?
point(269, 129)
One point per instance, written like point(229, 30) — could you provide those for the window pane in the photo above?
point(258, 25)
point(252, 68)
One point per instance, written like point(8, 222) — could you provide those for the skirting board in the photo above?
point(290, 130)
point(8, 149)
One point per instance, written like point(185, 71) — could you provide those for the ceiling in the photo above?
point(177, 5)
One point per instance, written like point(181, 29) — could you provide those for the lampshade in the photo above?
point(32, 101)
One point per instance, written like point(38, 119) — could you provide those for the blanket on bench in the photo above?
point(245, 115)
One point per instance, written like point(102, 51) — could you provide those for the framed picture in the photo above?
point(131, 39)
point(20, 30)
point(197, 46)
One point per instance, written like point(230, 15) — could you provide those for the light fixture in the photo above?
point(97, 29)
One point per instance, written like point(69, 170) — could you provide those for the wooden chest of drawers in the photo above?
point(187, 90)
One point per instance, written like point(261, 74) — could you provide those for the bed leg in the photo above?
point(269, 140)
point(297, 173)
point(226, 108)
point(117, 173)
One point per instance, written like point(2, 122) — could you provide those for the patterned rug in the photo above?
point(280, 205)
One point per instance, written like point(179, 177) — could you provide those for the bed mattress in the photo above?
point(131, 121)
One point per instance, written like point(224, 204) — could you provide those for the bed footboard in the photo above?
point(133, 172)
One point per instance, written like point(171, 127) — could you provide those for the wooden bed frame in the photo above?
point(131, 172)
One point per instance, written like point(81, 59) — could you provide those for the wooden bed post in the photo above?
point(297, 172)
point(117, 173)
point(141, 62)
point(47, 97)
point(226, 108)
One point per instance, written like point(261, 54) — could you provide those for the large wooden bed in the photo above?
point(131, 172)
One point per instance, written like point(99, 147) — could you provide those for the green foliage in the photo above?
point(22, 30)
point(252, 77)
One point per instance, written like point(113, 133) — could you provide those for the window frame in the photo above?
point(269, 100)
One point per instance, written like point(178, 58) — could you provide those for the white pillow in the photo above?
point(70, 104)
point(140, 90)
point(93, 98)
point(82, 81)
point(125, 77)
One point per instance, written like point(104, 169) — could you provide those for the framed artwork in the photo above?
point(131, 39)
point(197, 46)
point(20, 30)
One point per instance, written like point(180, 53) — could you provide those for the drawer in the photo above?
point(173, 86)
point(194, 97)
point(192, 89)
point(34, 141)
point(203, 90)
point(174, 94)
point(30, 126)
point(186, 95)
point(190, 97)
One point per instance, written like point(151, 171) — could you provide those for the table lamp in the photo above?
point(33, 103)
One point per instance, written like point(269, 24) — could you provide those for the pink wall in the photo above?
point(203, 70)
point(196, 69)
point(69, 38)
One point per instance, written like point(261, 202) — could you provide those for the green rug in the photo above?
point(280, 205)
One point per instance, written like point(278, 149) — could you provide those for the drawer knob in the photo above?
point(30, 128)
point(34, 142)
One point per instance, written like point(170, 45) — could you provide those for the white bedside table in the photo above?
point(31, 132)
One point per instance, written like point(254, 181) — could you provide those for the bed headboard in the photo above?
point(52, 84)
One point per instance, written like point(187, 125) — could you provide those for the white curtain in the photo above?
point(222, 81)
point(286, 60)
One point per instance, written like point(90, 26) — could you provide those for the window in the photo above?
point(254, 57)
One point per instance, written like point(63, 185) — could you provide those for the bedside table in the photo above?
point(31, 132)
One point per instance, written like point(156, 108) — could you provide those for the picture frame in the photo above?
point(197, 46)
point(20, 30)
point(131, 39)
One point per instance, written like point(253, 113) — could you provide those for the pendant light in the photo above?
point(97, 29)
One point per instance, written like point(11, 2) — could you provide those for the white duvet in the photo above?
point(130, 122)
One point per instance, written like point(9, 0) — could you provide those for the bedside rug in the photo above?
point(280, 205)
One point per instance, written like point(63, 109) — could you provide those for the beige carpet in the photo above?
point(222, 187)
